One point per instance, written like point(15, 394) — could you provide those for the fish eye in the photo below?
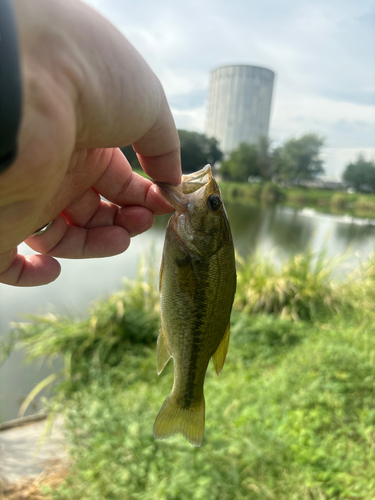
point(214, 202)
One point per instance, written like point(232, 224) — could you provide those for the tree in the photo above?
point(197, 150)
point(265, 160)
point(241, 164)
point(299, 159)
point(360, 174)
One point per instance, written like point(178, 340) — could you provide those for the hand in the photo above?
point(85, 92)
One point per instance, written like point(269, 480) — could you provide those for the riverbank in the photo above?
point(337, 202)
point(26, 451)
point(291, 415)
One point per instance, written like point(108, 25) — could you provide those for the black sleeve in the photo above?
point(10, 85)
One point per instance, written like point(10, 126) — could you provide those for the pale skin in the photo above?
point(86, 91)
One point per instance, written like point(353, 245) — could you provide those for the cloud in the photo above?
point(321, 52)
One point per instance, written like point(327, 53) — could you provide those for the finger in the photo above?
point(73, 242)
point(136, 220)
point(83, 209)
point(158, 150)
point(90, 211)
point(126, 188)
point(32, 270)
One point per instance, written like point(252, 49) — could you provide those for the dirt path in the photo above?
point(22, 455)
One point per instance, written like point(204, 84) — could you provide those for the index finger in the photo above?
point(158, 150)
point(120, 185)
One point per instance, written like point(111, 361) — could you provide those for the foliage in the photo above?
point(302, 289)
point(127, 318)
point(270, 193)
point(131, 156)
point(290, 417)
point(241, 164)
point(361, 174)
point(338, 201)
point(299, 158)
point(236, 191)
point(197, 150)
point(365, 204)
point(265, 158)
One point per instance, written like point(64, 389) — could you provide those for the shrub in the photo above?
point(302, 289)
point(270, 193)
point(338, 201)
point(365, 204)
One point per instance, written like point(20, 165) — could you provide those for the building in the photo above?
point(239, 105)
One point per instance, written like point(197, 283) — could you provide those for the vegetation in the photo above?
point(292, 416)
point(241, 164)
point(299, 159)
point(303, 288)
point(361, 174)
point(361, 205)
point(197, 150)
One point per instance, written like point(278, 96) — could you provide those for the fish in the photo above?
point(197, 288)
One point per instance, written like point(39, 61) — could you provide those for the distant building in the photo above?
point(239, 105)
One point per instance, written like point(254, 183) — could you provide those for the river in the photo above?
point(276, 231)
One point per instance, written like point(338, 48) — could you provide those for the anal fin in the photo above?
point(221, 352)
point(162, 352)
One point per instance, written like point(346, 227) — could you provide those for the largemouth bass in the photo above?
point(197, 287)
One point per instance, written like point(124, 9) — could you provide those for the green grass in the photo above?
point(291, 416)
point(301, 288)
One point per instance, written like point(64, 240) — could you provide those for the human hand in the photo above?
point(85, 91)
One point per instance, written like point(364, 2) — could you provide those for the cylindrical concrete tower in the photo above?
point(239, 105)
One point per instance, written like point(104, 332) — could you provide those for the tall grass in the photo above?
point(301, 288)
point(127, 319)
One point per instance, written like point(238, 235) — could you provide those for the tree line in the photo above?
point(297, 159)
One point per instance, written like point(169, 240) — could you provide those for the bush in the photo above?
point(338, 201)
point(302, 289)
point(232, 191)
point(270, 193)
point(365, 204)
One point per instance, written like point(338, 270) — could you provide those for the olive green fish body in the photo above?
point(197, 285)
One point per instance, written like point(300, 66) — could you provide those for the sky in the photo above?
point(322, 52)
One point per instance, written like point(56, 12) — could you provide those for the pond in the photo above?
point(276, 231)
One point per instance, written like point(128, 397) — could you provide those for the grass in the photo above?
point(291, 417)
point(303, 288)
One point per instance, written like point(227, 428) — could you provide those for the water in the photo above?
point(276, 231)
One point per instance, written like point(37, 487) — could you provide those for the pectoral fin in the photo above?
point(162, 352)
point(221, 352)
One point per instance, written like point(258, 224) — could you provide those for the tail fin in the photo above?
point(172, 418)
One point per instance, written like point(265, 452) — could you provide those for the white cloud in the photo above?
point(321, 52)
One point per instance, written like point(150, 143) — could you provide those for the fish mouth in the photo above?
point(178, 195)
point(174, 195)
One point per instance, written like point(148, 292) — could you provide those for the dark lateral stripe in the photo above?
point(188, 395)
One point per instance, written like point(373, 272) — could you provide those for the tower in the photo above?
point(239, 105)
